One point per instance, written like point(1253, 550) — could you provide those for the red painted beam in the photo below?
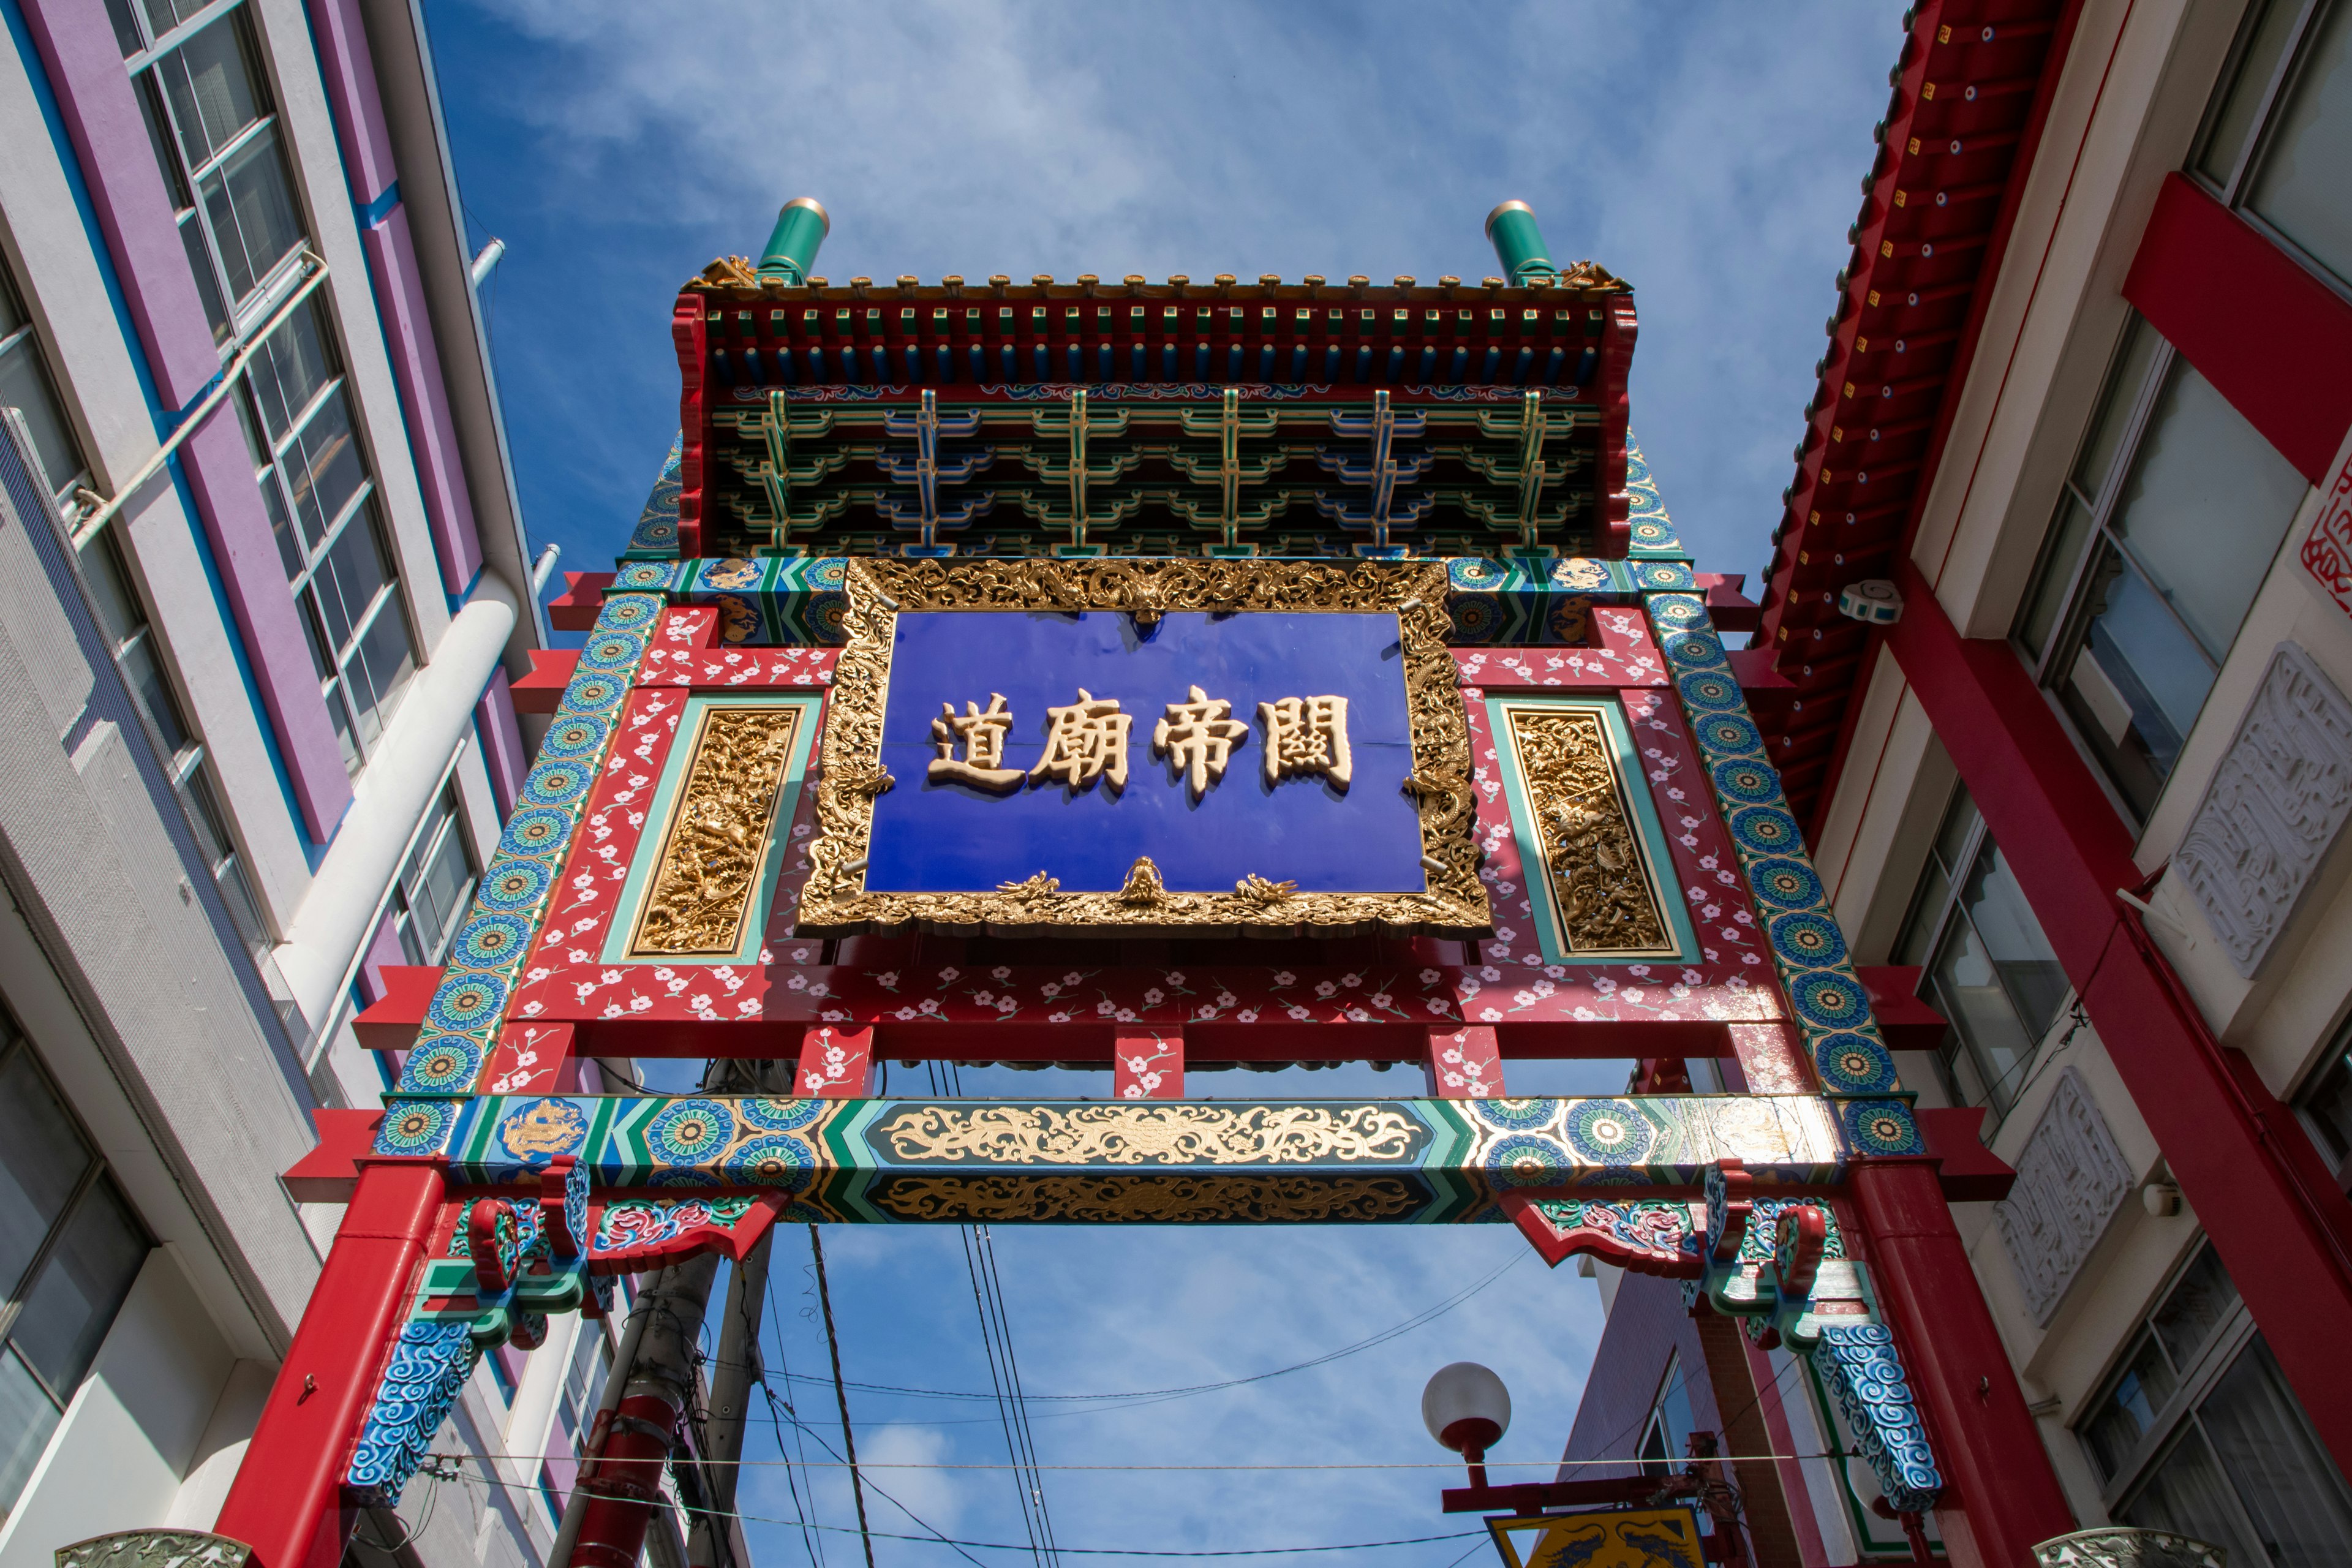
point(330, 1172)
point(286, 1502)
point(392, 1022)
point(2271, 338)
point(582, 600)
point(1908, 1024)
point(1205, 1044)
point(2001, 1495)
point(2282, 1230)
point(1969, 1172)
point(541, 691)
point(1726, 606)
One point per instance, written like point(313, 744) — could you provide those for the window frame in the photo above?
point(2285, 76)
point(99, 1173)
point(400, 901)
point(1950, 902)
point(2051, 665)
point(185, 179)
point(2171, 1423)
point(28, 339)
point(271, 454)
point(2336, 1059)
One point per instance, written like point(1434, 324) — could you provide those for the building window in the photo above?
point(26, 386)
point(583, 1385)
point(2165, 530)
point(134, 644)
point(1985, 965)
point(2273, 141)
point(2198, 1433)
point(2327, 1106)
point(1665, 1435)
point(432, 888)
point(214, 131)
point(316, 484)
point(69, 1248)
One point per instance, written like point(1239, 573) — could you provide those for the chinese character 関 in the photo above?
point(1084, 741)
point(1306, 737)
point(982, 735)
point(1199, 738)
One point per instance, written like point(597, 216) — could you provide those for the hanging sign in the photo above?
point(1041, 744)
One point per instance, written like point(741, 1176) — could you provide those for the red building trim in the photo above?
point(2272, 338)
point(2244, 1164)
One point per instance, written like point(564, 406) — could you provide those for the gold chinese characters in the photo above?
point(982, 735)
point(1199, 738)
point(1305, 737)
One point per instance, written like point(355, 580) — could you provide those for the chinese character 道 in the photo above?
point(982, 735)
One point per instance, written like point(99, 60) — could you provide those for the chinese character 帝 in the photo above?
point(1084, 741)
point(982, 735)
point(1199, 738)
point(1306, 737)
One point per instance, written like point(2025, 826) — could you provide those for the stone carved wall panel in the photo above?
point(2275, 805)
point(2071, 1179)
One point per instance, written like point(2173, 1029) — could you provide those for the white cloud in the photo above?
point(1709, 154)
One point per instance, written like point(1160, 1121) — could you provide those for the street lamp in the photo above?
point(1468, 1409)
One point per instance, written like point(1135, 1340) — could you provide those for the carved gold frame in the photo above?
point(1453, 904)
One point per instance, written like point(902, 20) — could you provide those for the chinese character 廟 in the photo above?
point(1199, 737)
point(1306, 737)
point(982, 735)
point(1084, 741)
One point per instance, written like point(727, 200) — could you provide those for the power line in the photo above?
point(936, 1538)
point(848, 1437)
point(1157, 1395)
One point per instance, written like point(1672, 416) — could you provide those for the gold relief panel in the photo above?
point(1588, 846)
point(1173, 1198)
point(1100, 755)
point(1174, 1133)
point(707, 877)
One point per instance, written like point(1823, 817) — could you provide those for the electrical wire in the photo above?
point(939, 1540)
point(773, 1400)
point(848, 1437)
point(1135, 1397)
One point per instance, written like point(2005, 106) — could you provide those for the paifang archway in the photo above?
point(749, 797)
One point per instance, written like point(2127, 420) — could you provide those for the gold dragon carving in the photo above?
point(708, 867)
point(1170, 1134)
point(835, 902)
point(1173, 1198)
point(1592, 857)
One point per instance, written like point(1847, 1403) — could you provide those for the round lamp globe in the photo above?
point(1466, 1407)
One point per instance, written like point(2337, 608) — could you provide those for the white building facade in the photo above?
point(263, 586)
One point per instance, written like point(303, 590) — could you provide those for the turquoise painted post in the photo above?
point(1518, 243)
point(799, 228)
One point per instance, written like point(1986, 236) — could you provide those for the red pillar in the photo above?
point(2281, 1227)
point(2001, 1496)
point(1464, 1063)
point(287, 1500)
point(836, 1061)
point(1147, 1064)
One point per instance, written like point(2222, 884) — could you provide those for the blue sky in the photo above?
point(1708, 154)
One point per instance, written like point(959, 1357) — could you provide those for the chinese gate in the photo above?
point(1333, 687)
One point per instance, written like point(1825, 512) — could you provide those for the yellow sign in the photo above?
point(1600, 1538)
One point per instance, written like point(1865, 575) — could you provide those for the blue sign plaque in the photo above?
point(1033, 781)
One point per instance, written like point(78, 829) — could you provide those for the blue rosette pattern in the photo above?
point(1809, 952)
point(468, 1007)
